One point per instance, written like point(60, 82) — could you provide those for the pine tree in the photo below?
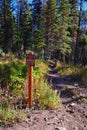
point(1, 31)
point(7, 26)
point(63, 36)
point(74, 21)
point(50, 26)
point(26, 28)
point(23, 27)
point(37, 19)
point(36, 14)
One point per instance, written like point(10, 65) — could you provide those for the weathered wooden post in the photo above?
point(30, 61)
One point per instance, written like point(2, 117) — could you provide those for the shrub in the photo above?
point(13, 75)
point(45, 97)
point(67, 69)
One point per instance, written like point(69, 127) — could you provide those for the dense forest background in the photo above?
point(56, 32)
point(52, 29)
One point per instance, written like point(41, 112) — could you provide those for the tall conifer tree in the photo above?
point(7, 27)
point(38, 38)
point(50, 26)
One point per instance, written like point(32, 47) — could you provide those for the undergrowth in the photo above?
point(73, 70)
point(9, 116)
point(44, 96)
point(68, 69)
point(13, 75)
point(12, 96)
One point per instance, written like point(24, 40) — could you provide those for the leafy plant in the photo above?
point(13, 75)
point(9, 116)
point(45, 97)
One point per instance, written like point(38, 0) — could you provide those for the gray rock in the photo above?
point(73, 104)
point(60, 128)
point(76, 128)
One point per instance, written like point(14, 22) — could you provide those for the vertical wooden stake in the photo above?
point(30, 85)
point(30, 62)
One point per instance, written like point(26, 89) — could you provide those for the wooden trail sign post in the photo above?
point(30, 61)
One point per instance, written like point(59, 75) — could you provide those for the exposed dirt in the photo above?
point(72, 114)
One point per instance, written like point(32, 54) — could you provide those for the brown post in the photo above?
point(30, 61)
point(30, 85)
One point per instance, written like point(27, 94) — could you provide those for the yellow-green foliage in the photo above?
point(9, 116)
point(59, 65)
point(45, 97)
point(40, 70)
point(72, 70)
point(13, 75)
point(67, 69)
point(83, 74)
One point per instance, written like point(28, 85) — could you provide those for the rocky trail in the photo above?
point(72, 114)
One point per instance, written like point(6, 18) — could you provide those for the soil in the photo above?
point(72, 113)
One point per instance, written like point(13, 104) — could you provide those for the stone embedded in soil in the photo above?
point(36, 119)
point(60, 128)
point(46, 119)
point(73, 104)
point(75, 128)
point(70, 110)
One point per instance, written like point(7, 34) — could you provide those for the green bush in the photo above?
point(13, 75)
point(45, 97)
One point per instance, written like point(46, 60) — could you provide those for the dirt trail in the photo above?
point(72, 115)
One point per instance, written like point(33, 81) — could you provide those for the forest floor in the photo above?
point(72, 113)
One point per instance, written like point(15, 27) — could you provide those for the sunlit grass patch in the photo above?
point(77, 71)
point(68, 69)
point(9, 116)
point(45, 97)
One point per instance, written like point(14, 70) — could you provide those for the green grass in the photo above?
point(9, 116)
point(65, 69)
point(45, 97)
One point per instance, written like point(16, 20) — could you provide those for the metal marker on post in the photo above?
point(30, 61)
